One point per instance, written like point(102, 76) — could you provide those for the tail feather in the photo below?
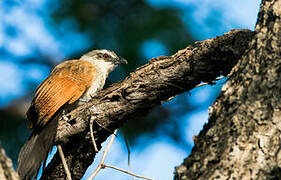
point(35, 150)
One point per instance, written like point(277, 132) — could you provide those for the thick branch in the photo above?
point(150, 85)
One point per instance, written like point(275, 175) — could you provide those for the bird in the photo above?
point(69, 82)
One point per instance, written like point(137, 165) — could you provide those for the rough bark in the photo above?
point(242, 137)
point(7, 171)
point(160, 80)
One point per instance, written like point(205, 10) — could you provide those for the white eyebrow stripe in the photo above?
point(109, 52)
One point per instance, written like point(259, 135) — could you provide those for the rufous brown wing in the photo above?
point(66, 84)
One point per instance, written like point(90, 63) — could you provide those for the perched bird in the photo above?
point(69, 82)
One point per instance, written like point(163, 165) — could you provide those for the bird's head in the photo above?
point(104, 56)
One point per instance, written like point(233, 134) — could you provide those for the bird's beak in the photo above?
point(122, 61)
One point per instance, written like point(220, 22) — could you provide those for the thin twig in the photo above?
point(127, 172)
point(128, 148)
point(68, 175)
point(203, 84)
point(92, 135)
point(104, 127)
point(100, 166)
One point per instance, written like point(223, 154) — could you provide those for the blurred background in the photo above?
point(35, 35)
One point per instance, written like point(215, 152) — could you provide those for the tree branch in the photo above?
point(7, 171)
point(157, 81)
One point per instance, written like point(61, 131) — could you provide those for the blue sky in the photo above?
point(232, 14)
point(204, 19)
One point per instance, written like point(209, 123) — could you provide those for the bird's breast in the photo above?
point(97, 85)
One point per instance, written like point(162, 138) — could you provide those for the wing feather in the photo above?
point(66, 84)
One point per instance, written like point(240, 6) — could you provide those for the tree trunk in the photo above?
point(7, 171)
point(242, 139)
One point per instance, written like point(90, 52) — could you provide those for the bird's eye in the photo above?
point(105, 56)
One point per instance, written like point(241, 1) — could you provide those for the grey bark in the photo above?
point(7, 171)
point(158, 81)
point(242, 139)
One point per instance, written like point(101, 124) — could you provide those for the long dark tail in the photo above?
point(35, 150)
